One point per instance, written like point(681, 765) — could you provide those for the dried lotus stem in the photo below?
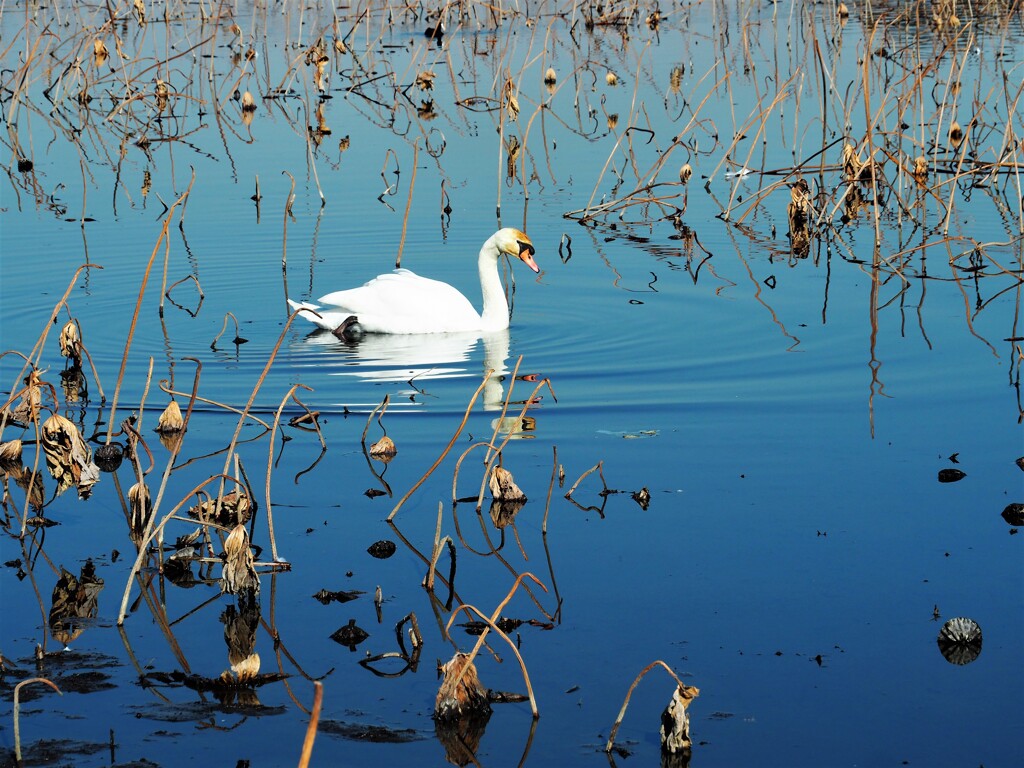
point(688, 692)
point(314, 718)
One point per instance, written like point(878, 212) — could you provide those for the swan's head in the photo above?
point(516, 243)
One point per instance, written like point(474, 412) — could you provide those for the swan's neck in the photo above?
point(495, 314)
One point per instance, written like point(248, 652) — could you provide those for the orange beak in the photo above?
point(526, 251)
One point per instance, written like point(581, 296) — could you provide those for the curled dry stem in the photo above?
point(490, 621)
point(138, 308)
point(270, 467)
point(625, 704)
point(451, 443)
point(17, 711)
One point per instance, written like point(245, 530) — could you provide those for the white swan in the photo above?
point(402, 302)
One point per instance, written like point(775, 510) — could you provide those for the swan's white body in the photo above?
point(402, 302)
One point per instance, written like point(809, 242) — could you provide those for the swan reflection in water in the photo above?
point(417, 359)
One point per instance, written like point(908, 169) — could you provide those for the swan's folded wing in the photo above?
point(403, 302)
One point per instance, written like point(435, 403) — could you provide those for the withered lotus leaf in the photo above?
point(382, 549)
point(234, 509)
point(108, 457)
point(239, 573)
point(10, 456)
point(170, 420)
point(960, 640)
point(675, 720)
point(99, 52)
point(1014, 514)
point(140, 506)
point(384, 449)
point(70, 342)
point(27, 409)
point(503, 486)
point(642, 497)
point(461, 691)
point(951, 475)
point(67, 456)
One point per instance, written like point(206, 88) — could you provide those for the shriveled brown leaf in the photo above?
point(384, 449)
point(67, 456)
point(239, 573)
point(100, 54)
point(425, 80)
point(27, 409)
point(503, 486)
point(675, 721)
point(10, 456)
point(170, 421)
point(235, 508)
point(457, 697)
point(140, 505)
point(71, 342)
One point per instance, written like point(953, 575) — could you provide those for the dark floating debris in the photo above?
point(350, 635)
point(960, 640)
point(375, 734)
point(506, 625)
point(108, 457)
point(1014, 514)
point(382, 549)
point(326, 596)
point(642, 497)
point(373, 493)
point(951, 475)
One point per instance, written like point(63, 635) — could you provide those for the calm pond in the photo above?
point(763, 396)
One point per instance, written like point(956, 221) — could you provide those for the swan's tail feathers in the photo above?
point(328, 320)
